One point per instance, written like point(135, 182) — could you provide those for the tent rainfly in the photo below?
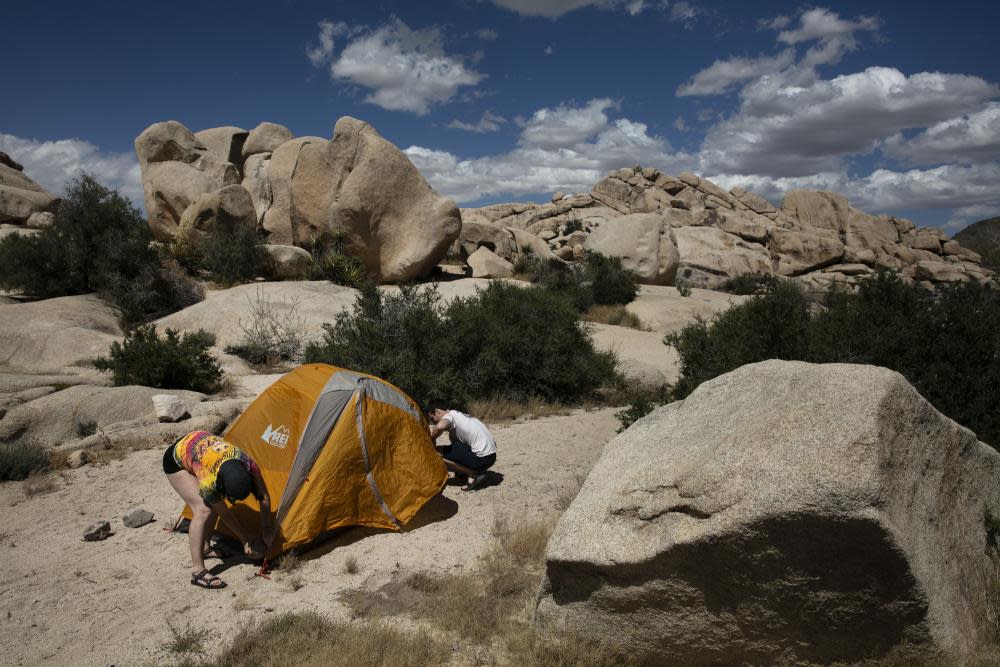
point(336, 448)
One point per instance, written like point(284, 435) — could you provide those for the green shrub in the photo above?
point(572, 226)
point(332, 262)
point(98, 242)
point(173, 362)
point(945, 343)
point(683, 289)
point(566, 280)
point(230, 253)
point(609, 282)
point(18, 460)
point(748, 283)
point(505, 341)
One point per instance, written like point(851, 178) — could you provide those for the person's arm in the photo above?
point(267, 531)
point(233, 524)
point(439, 428)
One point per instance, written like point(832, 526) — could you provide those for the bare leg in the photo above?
point(458, 467)
point(186, 485)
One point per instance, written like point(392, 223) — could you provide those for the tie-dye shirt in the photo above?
point(202, 454)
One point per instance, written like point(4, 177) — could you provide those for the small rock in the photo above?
point(97, 531)
point(40, 220)
point(169, 408)
point(558, 196)
point(77, 458)
point(137, 517)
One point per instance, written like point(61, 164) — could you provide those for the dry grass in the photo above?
point(615, 315)
point(566, 495)
point(37, 483)
point(351, 565)
point(495, 410)
point(186, 640)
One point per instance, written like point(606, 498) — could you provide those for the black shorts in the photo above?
point(462, 454)
point(169, 462)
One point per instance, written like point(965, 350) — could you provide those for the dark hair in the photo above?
point(435, 405)
point(234, 481)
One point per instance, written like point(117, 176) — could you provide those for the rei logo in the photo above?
point(276, 437)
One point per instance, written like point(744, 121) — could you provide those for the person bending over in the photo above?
point(471, 450)
point(204, 470)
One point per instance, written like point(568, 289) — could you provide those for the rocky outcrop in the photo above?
point(486, 264)
point(645, 243)
point(176, 169)
point(226, 208)
point(784, 513)
point(357, 189)
point(809, 235)
point(21, 197)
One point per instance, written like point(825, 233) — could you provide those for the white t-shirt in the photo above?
point(472, 432)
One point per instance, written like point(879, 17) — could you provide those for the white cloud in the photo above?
point(549, 8)
point(406, 70)
point(565, 148)
point(822, 24)
point(53, 163)
point(549, 50)
point(680, 124)
point(487, 34)
point(635, 7)
point(974, 137)
point(722, 75)
point(683, 12)
point(779, 22)
point(794, 129)
point(489, 122)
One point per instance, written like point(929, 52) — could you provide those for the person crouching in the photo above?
point(472, 449)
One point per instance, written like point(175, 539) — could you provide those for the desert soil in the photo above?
point(69, 602)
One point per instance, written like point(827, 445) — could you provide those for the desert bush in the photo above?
point(748, 283)
point(229, 253)
point(331, 262)
point(269, 336)
point(615, 315)
point(173, 362)
point(945, 343)
point(98, 242)
point(566, 280)
point(505, 341)
point(610, 283)
point(19, 460)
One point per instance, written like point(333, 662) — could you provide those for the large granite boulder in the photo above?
point(20, 197)
point(265, 138)
point(176, 168)
point(487, 264)
point(709, 256)
point(227, 207)
point(389, 215)
point(817, 209)
point(226, 142)
point(784, 513)
point(797, 252)
point(644, 242)
point(300, 174)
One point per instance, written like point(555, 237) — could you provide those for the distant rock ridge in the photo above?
point(356, 188)
point(25, 206)
point(711, 234)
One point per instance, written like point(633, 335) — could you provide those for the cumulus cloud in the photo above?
point(405, 69)
point(563, 148)
point(973, 137)
point(553, 9)
point(723, 75)
point(53, 163)
point(794, 130)
point(486, 34)
point(683, 12)
point(489, 122)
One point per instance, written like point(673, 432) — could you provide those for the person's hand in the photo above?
point(268, 534)
point(253, 549)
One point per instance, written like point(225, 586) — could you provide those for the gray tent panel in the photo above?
point(324, 417)
point(359, 415)
point(383, 393)
point(341, 381)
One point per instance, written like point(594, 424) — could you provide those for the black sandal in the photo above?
point(476, 482)
point(206, 580)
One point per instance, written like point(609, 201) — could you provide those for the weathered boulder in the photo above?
point(255, 182)
point(817, 209)
point(644, 241)
point(391, 218)
point(865, 231)
point(784, 513)
point(176, 168)
point(497, 239)
point(229, 207)
point(226, 142)
point(796, 251)
point(708, 256)
point(288, 262)
point(40, 220)
point(486, 264)
point(8, 161)
point(20, 196)
point(301, 175)
point(265, 138)
point(169, 408)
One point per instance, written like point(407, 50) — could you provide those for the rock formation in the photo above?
point(22, 199)
point(784, 513)
point(815, 238)
point(357, 188)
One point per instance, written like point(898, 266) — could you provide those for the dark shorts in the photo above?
point(169, 462)
point(460, 453)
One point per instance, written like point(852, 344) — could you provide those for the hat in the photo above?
point(234, 481)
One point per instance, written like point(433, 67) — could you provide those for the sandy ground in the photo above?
point(69, 602)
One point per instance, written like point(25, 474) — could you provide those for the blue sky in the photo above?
point(897, 105)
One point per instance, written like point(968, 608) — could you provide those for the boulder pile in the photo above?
point(689, 230)
point(784, 513)
point(25, 206)
point(300, 192)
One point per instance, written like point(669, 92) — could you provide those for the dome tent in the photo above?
point(336, 448)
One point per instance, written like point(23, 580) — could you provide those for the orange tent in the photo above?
point(336, 448)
